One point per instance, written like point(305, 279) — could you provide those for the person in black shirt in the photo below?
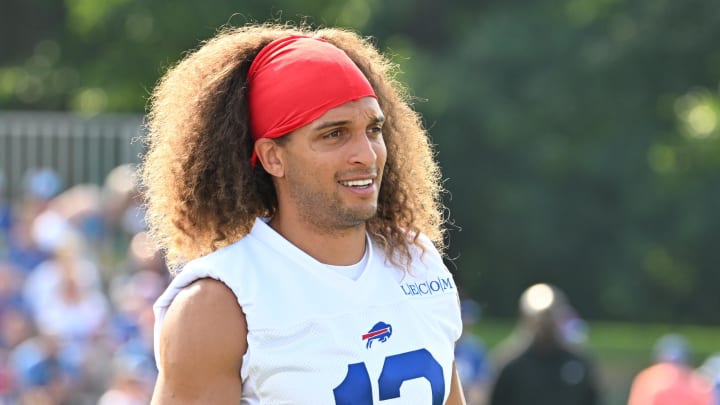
point(541, 364)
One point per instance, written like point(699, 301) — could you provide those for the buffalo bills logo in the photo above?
point(380, 332)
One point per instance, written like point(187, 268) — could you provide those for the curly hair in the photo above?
point(201, 192)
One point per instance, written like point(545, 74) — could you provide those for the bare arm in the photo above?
point(456, 396)
point(202, 341)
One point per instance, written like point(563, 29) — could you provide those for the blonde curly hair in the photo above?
point(200, 190)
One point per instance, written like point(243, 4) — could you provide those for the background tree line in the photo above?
point(579, 138)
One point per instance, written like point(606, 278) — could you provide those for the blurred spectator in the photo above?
point(541, 363)
point(67, 261)
point(72, 311)
point(671, 381)
point(42, 376)
point(11, 280)
point(80, 206)
point(78, 277)
point(128, 386)
point(5, 209)
point(471, 356)
point(134, 290)
point(123, 201)
point(711, 370)
point(23, 252)
point(15, 328)
point(39, 187)
point(132, 293)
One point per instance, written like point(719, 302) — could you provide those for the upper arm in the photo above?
point(202, 341)
point(456, 396)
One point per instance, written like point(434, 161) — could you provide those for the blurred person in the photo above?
point(72, 311)
point(23, 251)
point(11, 281)
point(66, 301)
point(134, 290)
point(68, 259)
point(5, 209)
point(671, 380)
point(123, 201)
point(132, 293)
point(8, 392)
point(76, 316)
point(471, 356)
point(26, 238)
point(290, 180)
point(711, 370)
point(15, 328)
point(138, 351)
point(40, 185)
point(80, 205)
point(42, 375)
point(541, 363)
point(123, 214)
point(128, 385)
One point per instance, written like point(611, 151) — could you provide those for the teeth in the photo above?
point(357, 183)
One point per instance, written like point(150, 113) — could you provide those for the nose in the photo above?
point(363, 150)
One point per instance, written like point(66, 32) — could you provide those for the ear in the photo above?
point(270, 155)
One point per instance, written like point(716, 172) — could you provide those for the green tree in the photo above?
point(579, 137)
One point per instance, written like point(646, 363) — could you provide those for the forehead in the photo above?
point(366, 108)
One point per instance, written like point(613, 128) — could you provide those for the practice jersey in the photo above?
point(318, 337)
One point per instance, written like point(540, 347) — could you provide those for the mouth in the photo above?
point(358, 184)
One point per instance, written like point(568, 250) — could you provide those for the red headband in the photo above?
point(294, 80)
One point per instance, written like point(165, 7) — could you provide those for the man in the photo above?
point(296, 190)
point(539, 364)
point(671, 380)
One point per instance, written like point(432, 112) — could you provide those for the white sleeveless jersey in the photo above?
point(317, 337)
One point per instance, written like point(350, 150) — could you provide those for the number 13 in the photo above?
point(355, 389)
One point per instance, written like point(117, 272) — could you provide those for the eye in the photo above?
point(332, 134)
point(375, 130)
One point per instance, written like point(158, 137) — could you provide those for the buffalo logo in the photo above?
point(380, 332)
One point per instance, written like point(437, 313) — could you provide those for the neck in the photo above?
point(339, 247)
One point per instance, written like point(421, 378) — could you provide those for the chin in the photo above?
point(360, 216)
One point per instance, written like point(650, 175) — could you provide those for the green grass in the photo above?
point(620, 349)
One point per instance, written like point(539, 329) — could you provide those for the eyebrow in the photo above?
point(329, 124)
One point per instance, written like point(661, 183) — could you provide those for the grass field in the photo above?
point(620, 349)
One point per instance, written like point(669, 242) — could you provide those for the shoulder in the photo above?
point(205, 293)
point(423, 251)
point(203, 303)
point(191, 332)
point(201, 342)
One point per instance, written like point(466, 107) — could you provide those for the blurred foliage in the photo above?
point(580, 138)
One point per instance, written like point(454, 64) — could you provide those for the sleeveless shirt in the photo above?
point(318, 337)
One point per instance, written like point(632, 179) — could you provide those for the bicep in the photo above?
point(456, 396)
point(202, 340)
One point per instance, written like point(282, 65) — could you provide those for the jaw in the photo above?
point(322, 209)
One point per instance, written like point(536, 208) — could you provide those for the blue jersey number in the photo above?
point(356, 390)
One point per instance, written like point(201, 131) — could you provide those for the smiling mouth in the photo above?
point(365, 183)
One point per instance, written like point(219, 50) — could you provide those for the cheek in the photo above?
point(312, 171)
point(381, 152)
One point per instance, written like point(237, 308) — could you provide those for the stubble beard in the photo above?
point(327, 213)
